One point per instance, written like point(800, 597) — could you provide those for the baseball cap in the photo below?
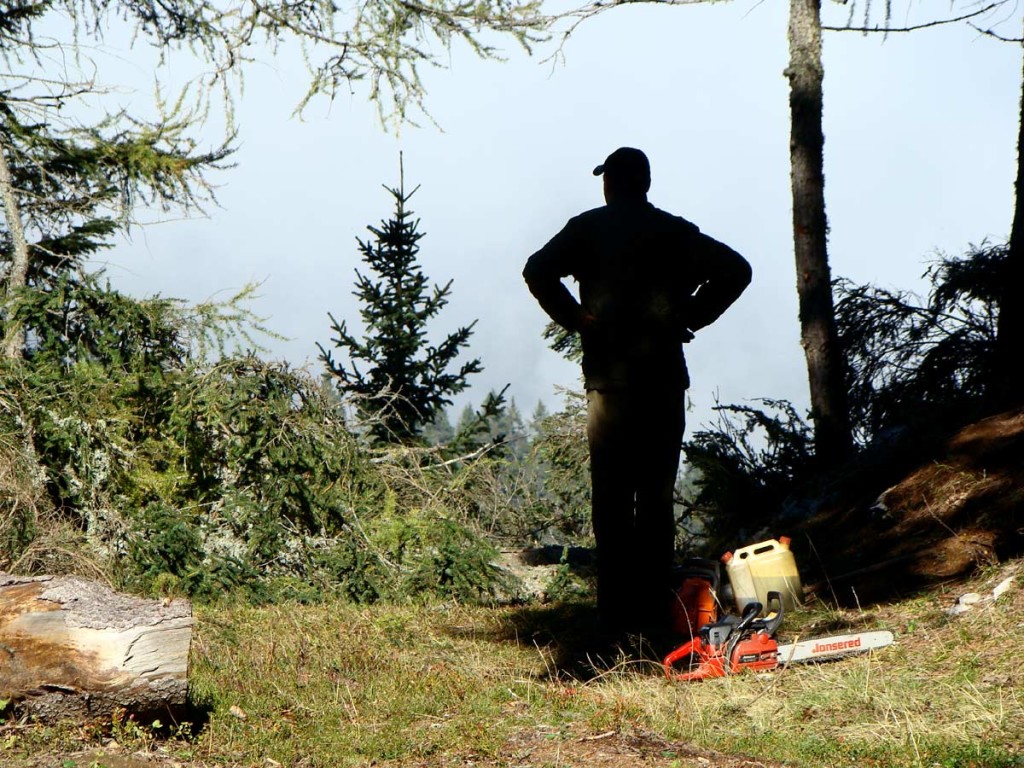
point(625, 162)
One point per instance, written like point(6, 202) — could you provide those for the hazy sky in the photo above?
point(920, 157)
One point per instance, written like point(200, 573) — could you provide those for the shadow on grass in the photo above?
point(568, 638)
point(193, 718)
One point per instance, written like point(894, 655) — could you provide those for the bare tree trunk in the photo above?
point(832, 437)
point(73, 649)
point(17, 273)
point(1009, 383)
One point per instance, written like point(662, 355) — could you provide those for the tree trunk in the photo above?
point(17, 273)
point(832, 437)
point(73, 649)
point(1009, 383)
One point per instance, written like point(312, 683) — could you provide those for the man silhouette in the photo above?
point(647, 281)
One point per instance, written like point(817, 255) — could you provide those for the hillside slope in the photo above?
point(904, 520)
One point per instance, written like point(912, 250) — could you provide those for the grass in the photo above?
point(340, 685)
point(345, 685)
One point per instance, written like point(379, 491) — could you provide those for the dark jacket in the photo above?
point(647, 278)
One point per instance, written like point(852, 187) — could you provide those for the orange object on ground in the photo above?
point(694, 606)
point(696, 591)
point(729, 646)
point(758, 652)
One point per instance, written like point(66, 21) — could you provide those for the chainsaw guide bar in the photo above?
point(833, 647)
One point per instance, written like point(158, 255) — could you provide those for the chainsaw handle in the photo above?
point(710, 661)
point(681, 652)
point(750, 611)
point(695, 647)
point(771, 623)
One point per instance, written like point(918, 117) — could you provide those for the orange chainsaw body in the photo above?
point(757, 652)
point(731, 645)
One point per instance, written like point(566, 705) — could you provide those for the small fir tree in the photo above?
point(403, 380)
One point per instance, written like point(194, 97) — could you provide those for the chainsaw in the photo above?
point(747, 642)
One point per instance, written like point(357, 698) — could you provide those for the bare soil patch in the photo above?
point(528, 749)
point(537, 748)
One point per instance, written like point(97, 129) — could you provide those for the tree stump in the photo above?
point(71, 648)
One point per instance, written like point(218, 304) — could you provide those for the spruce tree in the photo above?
point(397, 377)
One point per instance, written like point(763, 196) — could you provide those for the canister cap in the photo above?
point(784, 541)
point(727, 557)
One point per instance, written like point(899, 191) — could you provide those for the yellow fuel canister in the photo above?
point(758, 569)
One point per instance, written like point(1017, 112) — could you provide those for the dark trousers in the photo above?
point(635, 438)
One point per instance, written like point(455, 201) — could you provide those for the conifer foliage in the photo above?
point(397, 377)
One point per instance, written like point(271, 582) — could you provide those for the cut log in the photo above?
point(71, 648)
